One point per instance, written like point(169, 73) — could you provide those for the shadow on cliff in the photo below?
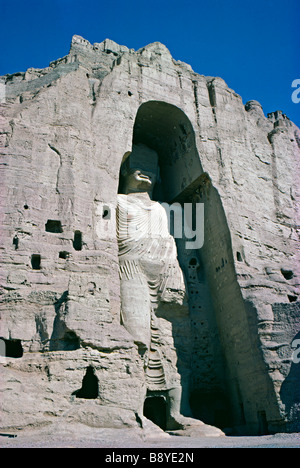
point(290, 388)
point(62, 339)
point(178, 317)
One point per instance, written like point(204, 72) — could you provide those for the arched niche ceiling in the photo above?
point(166, 129)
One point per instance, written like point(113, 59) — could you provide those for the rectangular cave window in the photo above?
point(11, 348)
point(53, 225)
point(64, 254)
point(16, 242)
point(155, 409)
point(77, 242)
point(239, 257)
point(36, 261)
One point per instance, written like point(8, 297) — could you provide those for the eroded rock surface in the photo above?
point(64, 133)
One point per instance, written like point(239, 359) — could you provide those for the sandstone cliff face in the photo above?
point(64, 132)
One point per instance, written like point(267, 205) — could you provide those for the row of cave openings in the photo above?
point(154, 408)
point(155, 403)
point(54, 226)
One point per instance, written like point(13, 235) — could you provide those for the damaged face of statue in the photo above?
point(138, 180)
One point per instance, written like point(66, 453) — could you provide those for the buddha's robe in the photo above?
point(149, 272)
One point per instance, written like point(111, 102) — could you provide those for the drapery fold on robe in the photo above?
point(145, 245)
point(148, 255)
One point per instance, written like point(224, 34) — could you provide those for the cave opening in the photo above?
point(36, 261)
point(77, 242)
point(287, 274)
point(106, 214)
point(13, 348)
point(155, 409)
point(239, 257)
point(53, 225)
point(64, 254)
point(167, 130)
point(16, 242)
point(90, 385)
point(70, 341)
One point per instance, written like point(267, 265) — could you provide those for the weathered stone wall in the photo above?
point(65, 130)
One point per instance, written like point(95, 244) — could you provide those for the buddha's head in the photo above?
point(139, 171)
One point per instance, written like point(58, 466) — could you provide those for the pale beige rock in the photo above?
point(65, 130)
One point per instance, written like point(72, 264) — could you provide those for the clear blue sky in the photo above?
point(254, 45)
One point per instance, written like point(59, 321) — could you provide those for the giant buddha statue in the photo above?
point(150, 276)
